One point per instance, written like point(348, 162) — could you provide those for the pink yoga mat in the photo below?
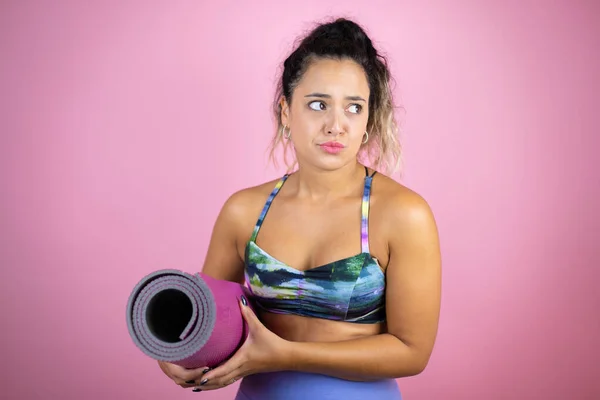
point(189, 320)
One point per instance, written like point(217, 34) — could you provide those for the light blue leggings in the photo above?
point(288, 385)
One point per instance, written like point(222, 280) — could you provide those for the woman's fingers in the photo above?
point(184, 377)
point(221, 381)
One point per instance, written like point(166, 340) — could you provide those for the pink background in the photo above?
point(124, 126)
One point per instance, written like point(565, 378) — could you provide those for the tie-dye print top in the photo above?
point(351, 289)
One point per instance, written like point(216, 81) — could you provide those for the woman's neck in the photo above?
point(319, 185)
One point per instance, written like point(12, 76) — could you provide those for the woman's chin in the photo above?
point(330, 163)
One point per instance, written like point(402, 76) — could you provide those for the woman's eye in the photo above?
point(317, 105)
point(355, 108)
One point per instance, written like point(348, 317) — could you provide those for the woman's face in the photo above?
point(328, 114)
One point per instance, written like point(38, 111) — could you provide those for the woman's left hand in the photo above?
point(263, 351)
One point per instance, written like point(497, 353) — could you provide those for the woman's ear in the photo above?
point(285, 111)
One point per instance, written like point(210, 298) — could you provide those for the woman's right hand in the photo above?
point(186, 378)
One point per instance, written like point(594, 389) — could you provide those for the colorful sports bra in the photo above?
point(351, 289)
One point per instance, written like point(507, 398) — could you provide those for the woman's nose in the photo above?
point(335, 124)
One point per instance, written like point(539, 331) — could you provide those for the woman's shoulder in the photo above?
point(247, 202)
point(397, 203)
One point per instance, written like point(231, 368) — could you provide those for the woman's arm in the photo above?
point(413, 292)
point(222, 259)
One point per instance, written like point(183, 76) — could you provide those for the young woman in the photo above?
point(342, 261)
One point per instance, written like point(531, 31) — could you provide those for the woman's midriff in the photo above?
point(297, 328)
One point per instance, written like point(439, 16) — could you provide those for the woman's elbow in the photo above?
point(416, 366)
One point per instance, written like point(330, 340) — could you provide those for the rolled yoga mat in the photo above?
point(189, 320)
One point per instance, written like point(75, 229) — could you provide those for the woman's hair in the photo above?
point(345, 40)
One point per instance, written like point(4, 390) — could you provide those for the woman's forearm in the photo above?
point(371, 358)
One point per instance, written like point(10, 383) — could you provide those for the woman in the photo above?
point(344, 262)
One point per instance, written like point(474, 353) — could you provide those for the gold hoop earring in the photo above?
point(366, 139)
point(289, 132)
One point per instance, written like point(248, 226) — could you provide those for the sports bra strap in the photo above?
point(364, 231)
point(261, 218)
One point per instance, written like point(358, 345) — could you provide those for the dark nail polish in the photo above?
point(190, 382)
point(206, 370)
point(203, 382)
point(196, 390)
point(244, 301)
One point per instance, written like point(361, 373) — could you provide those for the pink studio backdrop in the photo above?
point(125, 125)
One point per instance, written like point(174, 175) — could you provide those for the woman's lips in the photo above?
point(332, 147)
